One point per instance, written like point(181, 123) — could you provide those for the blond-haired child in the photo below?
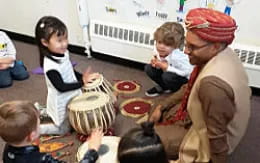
point(170, 69)
point(19, 127)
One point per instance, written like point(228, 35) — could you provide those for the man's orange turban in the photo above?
point(211, 25)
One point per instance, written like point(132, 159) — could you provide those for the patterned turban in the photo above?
point(211, 25)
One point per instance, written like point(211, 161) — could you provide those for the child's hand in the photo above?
point(162, 65)
point(95, 138)
point(153, 61)
point(88, 76)
point(159, 64)
point(156, 55)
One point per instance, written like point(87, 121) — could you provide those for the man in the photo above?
point(217, 97)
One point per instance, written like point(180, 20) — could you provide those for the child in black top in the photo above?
point(63, 82)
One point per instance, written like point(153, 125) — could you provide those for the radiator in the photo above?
point(126, 41)
point(133, 42)
point(250, 57)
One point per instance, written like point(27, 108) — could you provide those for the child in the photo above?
point(172, 69)
point(141, 145)
point(63, 83)
point(9, 68)
point(19, 127)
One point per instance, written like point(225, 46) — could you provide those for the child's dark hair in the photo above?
point(141, 145)
point(45, 28)
point(171, 34)
point(17, 120)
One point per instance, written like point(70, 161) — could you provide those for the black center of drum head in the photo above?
point(92, 98)
point(103, 149)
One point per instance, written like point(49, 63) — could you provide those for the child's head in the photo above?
point(141, 145)
point(51, 36)
point(168, 37)
point(19, 122)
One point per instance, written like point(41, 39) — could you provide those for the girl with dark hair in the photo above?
point(63, 82)
point(141, 145)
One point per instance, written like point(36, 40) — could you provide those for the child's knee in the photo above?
point(22, 76)
point(19, 73)
point(151, 71)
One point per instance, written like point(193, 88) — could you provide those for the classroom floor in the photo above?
point(34, 89)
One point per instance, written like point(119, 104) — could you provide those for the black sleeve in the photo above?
point(57, 81)
point(90, 157)
point(78, 75)
point(49, 159)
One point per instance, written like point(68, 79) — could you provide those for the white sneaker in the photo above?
point(40, 108)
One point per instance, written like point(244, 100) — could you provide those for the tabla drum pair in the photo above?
point(107, 151)
point(91, 110)
point(100, 85)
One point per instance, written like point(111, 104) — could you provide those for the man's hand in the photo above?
point(156, 115)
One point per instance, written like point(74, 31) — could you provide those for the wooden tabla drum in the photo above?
point(91, 110)
point(100, 85)
point(107, 151)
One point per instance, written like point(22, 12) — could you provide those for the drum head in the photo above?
point(107, 150)
point(88, 101)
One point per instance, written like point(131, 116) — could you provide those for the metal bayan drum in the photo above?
point(107, 151)
point(91, 110)
point(100, 85)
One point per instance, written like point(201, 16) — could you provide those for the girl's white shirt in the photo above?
point(57, 101)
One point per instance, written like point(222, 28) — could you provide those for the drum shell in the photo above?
point(85, 120)
point(101, 85)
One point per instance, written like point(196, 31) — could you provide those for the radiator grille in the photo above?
point(248, 56)
point(123, 34)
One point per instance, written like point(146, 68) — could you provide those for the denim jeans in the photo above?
point(18, 72)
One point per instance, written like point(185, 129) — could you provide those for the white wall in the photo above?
point(21, 16)
point(246, 15)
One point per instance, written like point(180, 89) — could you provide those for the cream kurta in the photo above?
point(226, 66)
